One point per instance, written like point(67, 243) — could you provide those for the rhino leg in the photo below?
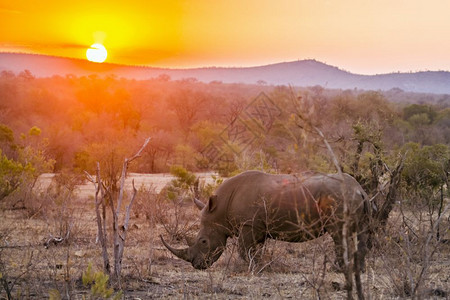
point(363, 238)
point(339, 250)
point(250, 244)
point(361, 254)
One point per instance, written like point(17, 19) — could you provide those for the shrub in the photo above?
point(99, 282)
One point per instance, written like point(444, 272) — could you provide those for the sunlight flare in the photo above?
point(96, 53)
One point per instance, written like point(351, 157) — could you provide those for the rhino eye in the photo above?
point(203, 242)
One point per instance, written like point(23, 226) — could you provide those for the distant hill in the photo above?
point(296, 73)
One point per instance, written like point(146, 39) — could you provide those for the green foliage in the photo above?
point(418, 120)
point(34, 151)
point(368, 136)
point(426, 112)
point(185, 179)
point(12, 174)
point(6, 135)
point(182, 184)
point(99, 282)
point(38, 159)
point(7, 143)
point(443, 115)
point(208, 189)
point(19, 173)
point(34, 131)
point(366, 132)
point(82, 162)
point(426, 167)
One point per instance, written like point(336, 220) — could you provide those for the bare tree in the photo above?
point(349, 243)
point(119, 229)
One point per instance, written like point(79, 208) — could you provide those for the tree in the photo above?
point(186, 105)
point(426, 175)
point(427, 167)
point(103, 193)
point(19, 172)
point(11, 175)
point(7, 143)
point(420, 109)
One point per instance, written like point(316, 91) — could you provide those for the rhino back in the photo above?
point(284, 201)
point(253, 193)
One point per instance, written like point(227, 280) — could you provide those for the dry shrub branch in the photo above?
point(119, 229)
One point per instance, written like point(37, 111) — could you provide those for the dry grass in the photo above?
point(299, 271)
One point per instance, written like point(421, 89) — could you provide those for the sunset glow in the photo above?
point(96, 53)
point(360, 36)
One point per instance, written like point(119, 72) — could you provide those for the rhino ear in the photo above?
point(212, 203)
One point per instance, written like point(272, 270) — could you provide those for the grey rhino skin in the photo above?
point(295, 208)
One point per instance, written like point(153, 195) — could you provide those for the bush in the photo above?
point(99, 282)
point(11, 175)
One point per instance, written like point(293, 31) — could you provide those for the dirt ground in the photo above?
point(292, 271)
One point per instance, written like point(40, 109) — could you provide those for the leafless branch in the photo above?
point(128, 209)
point(120, 233)
point(124, 173)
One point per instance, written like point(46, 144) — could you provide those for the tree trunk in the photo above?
point(101, 228)
point(101, 218)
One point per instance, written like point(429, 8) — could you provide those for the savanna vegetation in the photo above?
point(82, 129)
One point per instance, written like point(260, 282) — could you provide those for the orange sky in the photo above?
point(362, 36)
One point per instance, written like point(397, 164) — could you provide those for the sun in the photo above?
point(96, 53)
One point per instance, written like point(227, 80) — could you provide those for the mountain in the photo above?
point(296, 73)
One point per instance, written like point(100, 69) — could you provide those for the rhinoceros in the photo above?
point(255, 206)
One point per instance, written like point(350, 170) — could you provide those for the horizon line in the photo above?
point(216, 66)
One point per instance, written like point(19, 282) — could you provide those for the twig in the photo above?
point(128, 208)
point(428, 257)
point(124, 173)
point(330, 150)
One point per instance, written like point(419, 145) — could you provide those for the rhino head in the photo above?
point(210, 242)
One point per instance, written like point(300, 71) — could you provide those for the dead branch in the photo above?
point(120, 233)
point(128, 208)
point(383, 214)
point(330, 150)
point(101, 220)
point(124, 173)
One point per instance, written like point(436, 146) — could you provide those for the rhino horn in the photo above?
point(200, 205)
point(180, 253)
